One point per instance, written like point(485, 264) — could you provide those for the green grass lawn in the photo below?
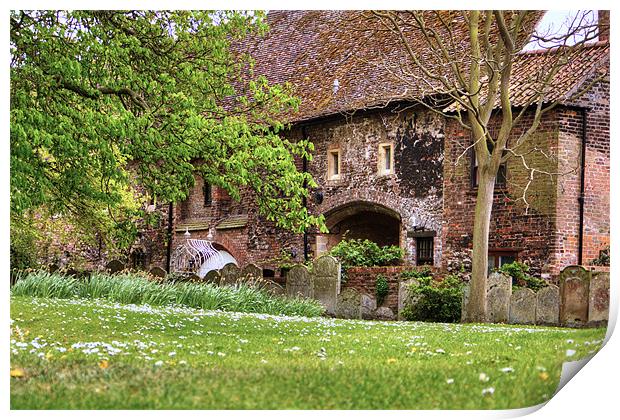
point(85, 354)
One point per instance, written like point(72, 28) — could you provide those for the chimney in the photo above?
point(603, 25)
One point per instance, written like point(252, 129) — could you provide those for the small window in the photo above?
point(499, 258)
point(333, 164)
point(500, 180)
point(386, 158)
point(424, 251)
point(207, 194)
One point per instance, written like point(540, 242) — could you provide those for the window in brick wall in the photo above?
point(500, 180)
point(424, 250)
point(333, 164)
point(207, 194)
point(386, 159)
point(498, 258)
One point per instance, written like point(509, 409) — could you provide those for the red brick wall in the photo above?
point(528, 231)
point(363, 279)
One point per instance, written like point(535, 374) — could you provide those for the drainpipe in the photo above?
point(169, 248)
point(304, 164)
point(582, 188)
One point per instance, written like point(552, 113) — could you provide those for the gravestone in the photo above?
point(326, 276)
point(499, 290)
point(272, 288)
point(464, 302)
point(251, 273)
point(523, 307)
point(404, 297)
point(548, 306)
point(369, 304)
point(193, 278)
point(114, 266)
point(213, 277)
point(349, 304)
point(158, 272)
point(229, 275)
point(574, 294)
point(384, 313)
point(299, 282)
point(598, 305)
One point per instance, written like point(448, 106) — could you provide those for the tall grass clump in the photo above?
point(132, 288)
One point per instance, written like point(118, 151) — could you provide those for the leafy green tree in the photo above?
point(105, 101)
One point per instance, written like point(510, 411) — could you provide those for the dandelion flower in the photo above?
point(543, 375)
point(391, 360)
point(103, 364)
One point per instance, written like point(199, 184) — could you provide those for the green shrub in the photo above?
point(603, 259)
point(381, 288)
point(365, 253)
point(519, 272)
point(435, 301)
point(140, 289)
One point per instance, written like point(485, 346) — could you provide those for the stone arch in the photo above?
point(361, 219)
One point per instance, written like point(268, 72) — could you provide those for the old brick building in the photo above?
point(393, 172)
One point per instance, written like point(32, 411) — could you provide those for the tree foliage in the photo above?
point(105, 101)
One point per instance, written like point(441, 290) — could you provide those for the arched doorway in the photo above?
point(360, 220)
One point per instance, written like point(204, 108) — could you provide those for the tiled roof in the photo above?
point(233, 222)
point(312, 49)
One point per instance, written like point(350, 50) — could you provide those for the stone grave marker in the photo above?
point(229, 275)
point(523, 307)
point(251, 273)
point(114, 266)
point(574, 294)
point(212, 277)
point(384, 313)
point(598, 305)
point(403, 295)
point(158, 272)
point(326, 274)
point(272, 288)
point(369, 304)
point(299, 282)
point(349, 304)
point(499, 290)
point(464, 302)
point(548, 306)
point(193, 278)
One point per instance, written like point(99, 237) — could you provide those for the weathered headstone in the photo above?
point(574, 294)
point(114, 266)
point(404, 297)
point(598, 306)
point(369, 304)
point(158, 272)
point(251, 273)
point(349, 304)
point(272, 287)
point(326, 273)
point(464, 302)
point(193, 278)
point(212, 277)
point(299, 282)
point(523, 307)
point(548, 305)
point(384, 313)
point(499, 290)
point(229, 275)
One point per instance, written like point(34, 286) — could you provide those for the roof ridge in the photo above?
point(595, 44)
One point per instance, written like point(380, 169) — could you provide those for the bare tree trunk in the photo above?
point(476, 310)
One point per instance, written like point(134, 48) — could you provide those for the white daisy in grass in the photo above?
point(488, 391)
point(483, 377)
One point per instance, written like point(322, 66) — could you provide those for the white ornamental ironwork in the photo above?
point(189, 256)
